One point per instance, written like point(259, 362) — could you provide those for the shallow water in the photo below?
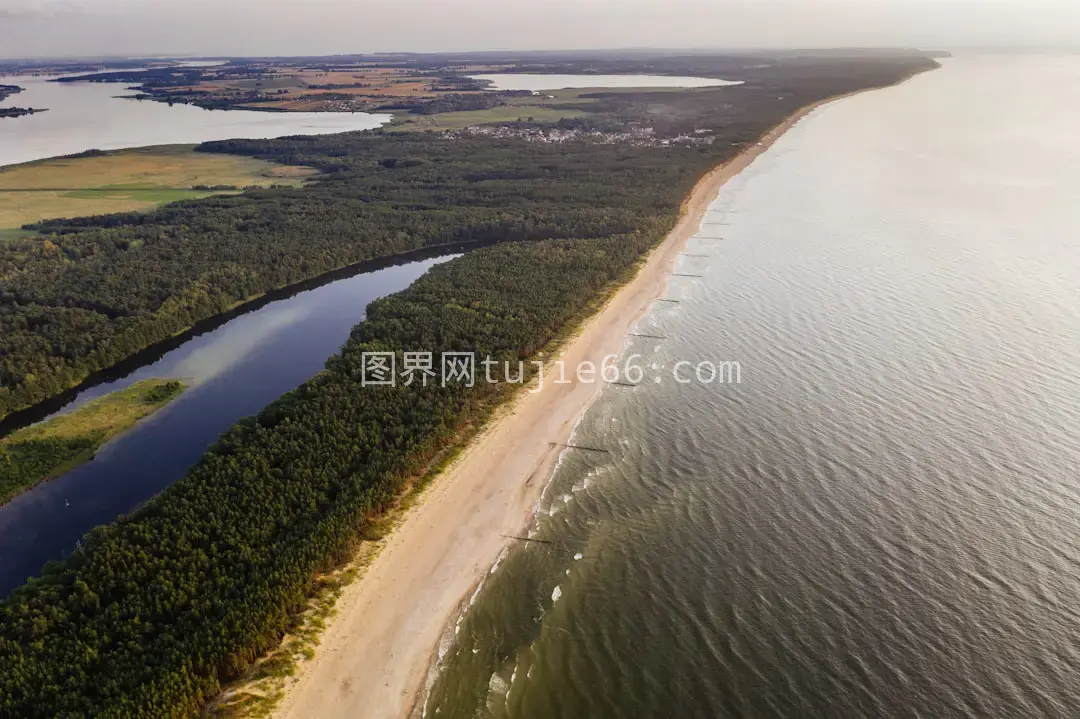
point(233, 371)
point(91, 115)
point(883, 517)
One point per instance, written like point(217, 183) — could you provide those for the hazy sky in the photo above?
point(34, 28)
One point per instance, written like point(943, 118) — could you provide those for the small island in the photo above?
point(18, 111)
point(47, 450)
point(7, 91)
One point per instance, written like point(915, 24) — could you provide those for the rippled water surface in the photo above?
point(883, 518)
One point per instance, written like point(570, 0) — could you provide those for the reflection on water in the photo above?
point(226, 351)
point(235, 370)
point(92, 115)
point(883, 519)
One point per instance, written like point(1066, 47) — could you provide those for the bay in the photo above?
point(90, 115)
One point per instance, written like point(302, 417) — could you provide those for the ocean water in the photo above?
point(882, 519)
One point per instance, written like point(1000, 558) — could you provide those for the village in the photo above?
point(636, 136)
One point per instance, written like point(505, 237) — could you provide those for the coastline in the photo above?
point(376, 653)
point(43, 410)
point(74, 438)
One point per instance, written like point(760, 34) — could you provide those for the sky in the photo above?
point(74, 28)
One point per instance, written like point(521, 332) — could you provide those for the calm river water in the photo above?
point(90, 115)
point(883, 518)
point(233, 371)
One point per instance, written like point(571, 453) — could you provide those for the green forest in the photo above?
point(152, 613)
point(96, 290)
point(93, 291)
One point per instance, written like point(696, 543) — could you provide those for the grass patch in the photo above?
point(155, 196)
point(126, 181)
point(16, 234)
point(548, 106)
point(47, 450)
point(461, 120)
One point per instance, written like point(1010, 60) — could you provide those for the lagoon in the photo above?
point(88, 115)
point(233, 366)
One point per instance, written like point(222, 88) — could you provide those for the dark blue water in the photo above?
point(233, 371)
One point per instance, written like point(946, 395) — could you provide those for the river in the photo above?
point(883, 517)
point(92, 115)
point(233, 370)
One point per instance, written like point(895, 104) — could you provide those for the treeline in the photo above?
point(453, 102)
point(244, 99)
point(154, 77)
point(151, 614)
point(339, 86)
point(97, 290)
point(458, 83)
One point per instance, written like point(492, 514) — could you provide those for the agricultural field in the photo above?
point(126, 180)
point(301, 90)
point(546, 107)
point(297, 88)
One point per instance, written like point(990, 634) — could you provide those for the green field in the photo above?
point(49, 449)
point(461, 120)
point(126, 180)
point(548, 106)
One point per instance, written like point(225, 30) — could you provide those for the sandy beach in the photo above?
point(375, 654)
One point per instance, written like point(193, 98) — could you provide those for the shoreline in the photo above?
point(95, 424)
point(47, 408)
point(376, 654)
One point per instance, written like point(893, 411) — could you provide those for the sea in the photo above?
point(873, 508)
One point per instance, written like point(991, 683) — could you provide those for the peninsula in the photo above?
point(42, 452)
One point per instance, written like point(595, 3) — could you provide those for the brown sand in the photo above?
point(376, 652)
